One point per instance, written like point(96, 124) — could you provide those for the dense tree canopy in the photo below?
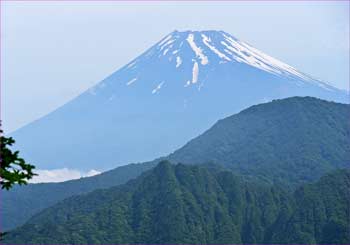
point(180, 204)
point(288, 142)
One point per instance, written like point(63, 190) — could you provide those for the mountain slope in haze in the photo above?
point(161, 96)
point(195, 205)
point(288, 142)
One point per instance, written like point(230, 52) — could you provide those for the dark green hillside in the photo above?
point(322, 214)
point(19, 204)
point(176, 204)
point(171, 204)
point(289, 141)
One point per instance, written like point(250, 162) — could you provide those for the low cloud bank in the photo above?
point(60, 175)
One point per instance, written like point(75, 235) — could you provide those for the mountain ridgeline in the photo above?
point(182, 204)
point(286, 142)
point(161, 96)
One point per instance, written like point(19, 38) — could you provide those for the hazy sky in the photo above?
point(53, 51)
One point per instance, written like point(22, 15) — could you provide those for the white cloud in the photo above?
point(60, 175)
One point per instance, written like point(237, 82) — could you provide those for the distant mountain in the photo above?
point(287, 142)
point(195, 205)
point(170, 94)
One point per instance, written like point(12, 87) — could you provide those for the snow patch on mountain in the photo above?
point(178, 61)
point(165, 51)
point(243, 52)
point(131, 64)
point(164, 40)
point(131, 81)
point(228, 49)
point(220, 48)
point(159, 86)
point(215, 68)
point(206, 41)
point(197, 50)
point(195, 71)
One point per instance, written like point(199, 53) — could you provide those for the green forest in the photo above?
point(274, 173)
point(183, 204)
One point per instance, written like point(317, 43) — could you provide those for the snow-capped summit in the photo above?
point(211, 48)
point(171, 93)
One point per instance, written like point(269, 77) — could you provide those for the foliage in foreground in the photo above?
point(13, 170)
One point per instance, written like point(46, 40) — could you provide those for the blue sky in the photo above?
point(53, 51)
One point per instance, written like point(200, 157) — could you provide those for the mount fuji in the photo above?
point(171, 93)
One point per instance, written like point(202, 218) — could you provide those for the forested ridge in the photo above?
point(269, 154)
point(196, 204)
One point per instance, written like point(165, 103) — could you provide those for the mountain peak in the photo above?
point(197, 31)
point(198, 50)
point(161, 96)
